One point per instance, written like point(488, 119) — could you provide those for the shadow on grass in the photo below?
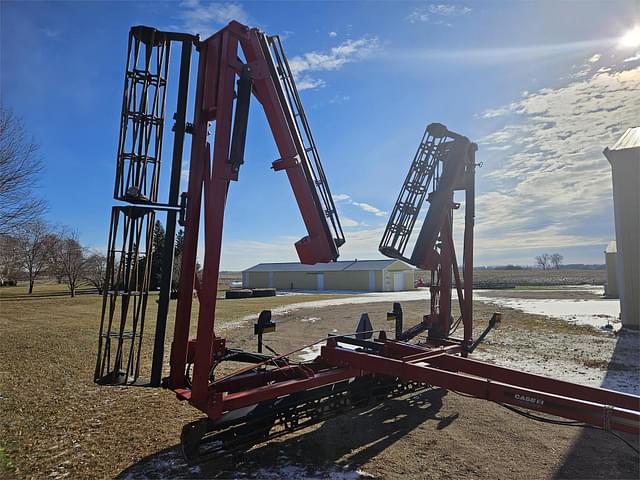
point(598, 454)
point(335, 449)
point(39, 295)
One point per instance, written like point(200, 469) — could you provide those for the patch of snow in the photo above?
point(359, 298)
point(296, 472)
point(596, 313)
point(619, 356)
point(310, 319)
point(169, 464)
point(235, 323)
point(310, 353)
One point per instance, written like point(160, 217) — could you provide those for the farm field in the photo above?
point(483, 277)
point(532, 277)
point(56, 423)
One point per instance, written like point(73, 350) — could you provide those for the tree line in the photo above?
point(30, 247)
point(36, 249)
point(549, 260)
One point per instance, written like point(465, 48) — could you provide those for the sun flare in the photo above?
point(630, 39)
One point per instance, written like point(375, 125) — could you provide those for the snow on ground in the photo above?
point(596, 312)
point(622, 374)
point(311, 352)
point(310, 319)
point(624, 357)
point(350, 298)
point(170, 464)
point(285, 471)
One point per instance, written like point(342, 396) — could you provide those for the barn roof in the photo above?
point(350, 265)
point(630, 139)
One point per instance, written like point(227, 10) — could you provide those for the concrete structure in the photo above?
point(611, 288)
point(624, 158)
point(359, 275)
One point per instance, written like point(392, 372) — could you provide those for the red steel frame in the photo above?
point(218, 66)
point(439, 363)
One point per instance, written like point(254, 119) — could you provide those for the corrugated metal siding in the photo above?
point(625, 167)
point(352, 278)
point(351, 265)
point(255, 279)
point(295, 280)
point(611, 289)
point(347, 281)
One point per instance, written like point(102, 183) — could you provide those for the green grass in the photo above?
point(5, 462)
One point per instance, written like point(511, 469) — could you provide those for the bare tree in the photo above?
point(68, 259)
point(9, 265)
point(31, 249)
point(556, 260)
point(95, 270)
point(543, 260)
point(19, 170)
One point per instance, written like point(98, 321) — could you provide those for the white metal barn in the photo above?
point(624, 158)
point(611, 288)
point(358, 275)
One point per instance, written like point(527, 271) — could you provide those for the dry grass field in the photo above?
point(56, 423)
point(532, 277)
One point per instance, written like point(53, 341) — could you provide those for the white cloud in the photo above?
point(50, 32)
point(309, 83)
point(595, 58)
point(205, 18)
point(332, 34)
point(366, 207)
point(635, 58)
point(348, 222)
point(339, 99)
point(370, 209)
point(341, 197)
point(448, 10)
point(240, 254)
point(435, 13)
point(551, 185)
point(337, 57)
point(500, 111)
point(501, 54)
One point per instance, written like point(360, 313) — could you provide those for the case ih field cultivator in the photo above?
point(273, 394)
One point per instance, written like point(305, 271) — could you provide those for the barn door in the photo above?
point(398, 281)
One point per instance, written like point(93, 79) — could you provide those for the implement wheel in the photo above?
point(191, 438)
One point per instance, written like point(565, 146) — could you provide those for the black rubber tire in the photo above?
point(264, 292)
point(238, 293)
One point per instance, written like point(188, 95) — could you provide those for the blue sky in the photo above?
point(543, 87)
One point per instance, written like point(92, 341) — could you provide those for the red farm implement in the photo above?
point(273, 394)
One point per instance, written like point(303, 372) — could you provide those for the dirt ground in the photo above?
point(56, 423)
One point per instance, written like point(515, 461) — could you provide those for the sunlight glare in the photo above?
point(631, 39)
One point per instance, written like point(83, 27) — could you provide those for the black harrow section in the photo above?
point(422, 179)
point(236, 432)
point(305, 143)
point(137, 180)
